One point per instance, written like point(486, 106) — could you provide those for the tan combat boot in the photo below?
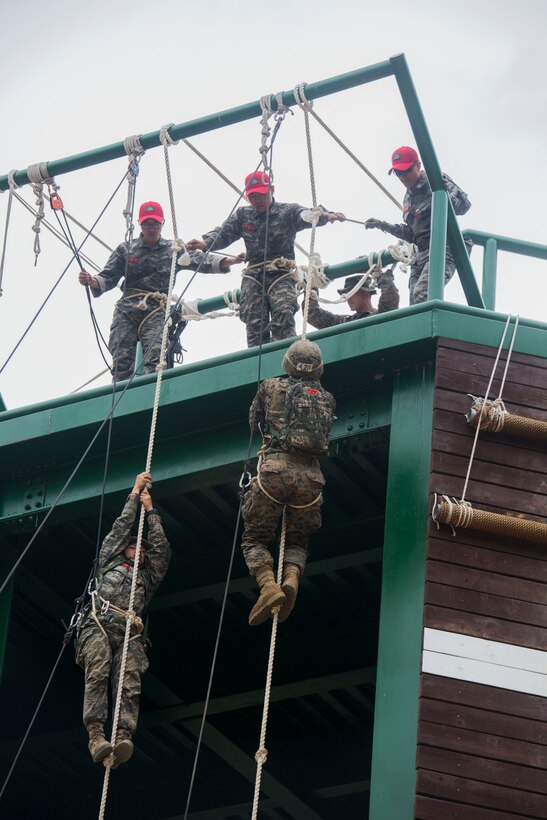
point(99, 747)
point(123, 748)
point(271, 595)
point(289, 585)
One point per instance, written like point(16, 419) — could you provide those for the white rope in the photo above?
point(355, 159)
point(261, 754)
point(155, 408)
point(165, 136)
point(313, 262)
point(134, 150)
point(189, 309)
point(267, 112)
point(89, 381)
point(12, 186)
point(38, 175)
point(482, 408)
point(52, 229)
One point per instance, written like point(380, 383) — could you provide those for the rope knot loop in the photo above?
point(165, 137)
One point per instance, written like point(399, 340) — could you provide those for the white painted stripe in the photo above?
point(489, 674)
point(464, 657)
point(489, 652)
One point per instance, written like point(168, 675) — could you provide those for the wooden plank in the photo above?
point(488, 674)
point(486, 541)
point(494, 450)
point(475, 568)
point(429, 808)
point(479, 719)
point(521, 763)
point(482, 603)
point(472, 694)
point(486, 795)
point(460, 402)
point(491, 559)
point(462, 646)
point(448, 420)
point(505, 633)
point(519, 399)
point(502, 475)
point(476, 354)
point(488, 496)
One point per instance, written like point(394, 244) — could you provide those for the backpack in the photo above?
point(306, 419)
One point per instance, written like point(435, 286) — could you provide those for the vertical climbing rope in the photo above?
point(261, 753)
point(155, 408)
point(12, 187)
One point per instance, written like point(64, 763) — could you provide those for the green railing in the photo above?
point(492, 243)
point(444, 225)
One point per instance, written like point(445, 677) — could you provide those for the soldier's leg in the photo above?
point(419, 281)
point(94, 654)
point(136, 666)
point(122, 344)
point(261, 517)
point(150, 335)
point(253, 310)
point(283, 306)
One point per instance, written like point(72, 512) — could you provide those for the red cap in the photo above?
point(151, 210)
point(257, 183)
point(403, 158)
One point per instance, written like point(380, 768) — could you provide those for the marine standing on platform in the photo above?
point(294, 415)
point(140, 313)
point(100, 636)
point(360, 302)
point(406, 165)
point(268, 229)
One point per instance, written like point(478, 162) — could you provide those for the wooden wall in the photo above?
point(482, 734)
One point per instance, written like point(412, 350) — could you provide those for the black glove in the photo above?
point(374, 223)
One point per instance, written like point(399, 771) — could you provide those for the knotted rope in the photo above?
point(12, 186)
point(261, 753)
point(38, 176)
point(134, 151)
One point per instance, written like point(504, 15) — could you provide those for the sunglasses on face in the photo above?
point(404, 173)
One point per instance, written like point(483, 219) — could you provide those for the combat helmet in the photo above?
point(303, 359)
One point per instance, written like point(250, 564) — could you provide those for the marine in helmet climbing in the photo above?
point(101, 632)
point(294, 414)
point(268, 229)
point(140, 313)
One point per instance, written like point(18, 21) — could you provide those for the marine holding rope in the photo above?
point(294, 415)
point(406, 165)
point(100, 635)
point(268, 229)
point(359, 302)
point(140, 313)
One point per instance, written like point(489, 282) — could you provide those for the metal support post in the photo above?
point(489, 272)
point(437, 245)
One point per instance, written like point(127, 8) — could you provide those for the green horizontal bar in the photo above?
point(506, 243)
point(330, 271)
point(313, 91)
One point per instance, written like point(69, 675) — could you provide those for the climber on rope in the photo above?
point(268, 229)
point(359, 302)
point(406, 165)
point(100, 634)
point(294, 415)
point(140, 313)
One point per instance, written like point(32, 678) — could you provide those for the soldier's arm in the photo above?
point(229, 232)
point(158, 554)
point(459, 198)
point(257, 413)
point(112, 272)
point(320, 318)
point(117, 538)
point(208, 262)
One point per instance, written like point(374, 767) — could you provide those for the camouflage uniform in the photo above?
point(138, 316)
point(100, 653)
point(417, 229)
point(389, 300)
point(268, 316)
point(291, 478)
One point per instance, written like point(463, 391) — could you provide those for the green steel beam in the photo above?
point(393, 779)
point(437, 244)
point(5, 607)
point(331, 272)
point(506, 243)
point(252, 110)
point(434, 175)
point(489, 271)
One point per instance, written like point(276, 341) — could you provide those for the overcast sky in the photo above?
point(78, 76)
